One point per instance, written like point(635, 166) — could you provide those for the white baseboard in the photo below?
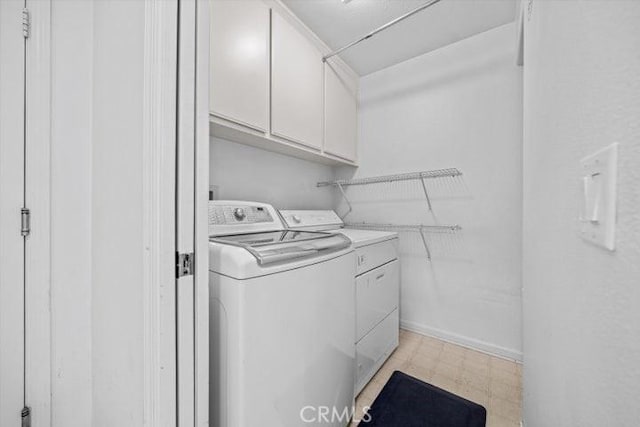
point(485, 347)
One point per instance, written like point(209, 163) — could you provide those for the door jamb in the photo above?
point(201, 238)
point(37, 199)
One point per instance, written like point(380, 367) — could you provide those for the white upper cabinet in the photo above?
point(296, 85)
point(340, 113)
point(269, 87)
point(239, 85)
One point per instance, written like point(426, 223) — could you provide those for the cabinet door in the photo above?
point(340, 114)
point(240, 62)
point(296, 85)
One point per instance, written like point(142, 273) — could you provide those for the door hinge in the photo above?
point(26, 23)
point(25, 221)
point(26, 416)
point(185, 264)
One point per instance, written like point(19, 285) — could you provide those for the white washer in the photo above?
point(281, 319)
point(377, 284)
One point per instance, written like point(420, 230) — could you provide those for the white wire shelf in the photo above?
point(420, 228)
point(437, 173)
point(407, 227)
point(452, 173)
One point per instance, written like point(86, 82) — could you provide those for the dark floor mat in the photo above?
point(408, 402)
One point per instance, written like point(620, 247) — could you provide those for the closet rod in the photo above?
point(377, 30)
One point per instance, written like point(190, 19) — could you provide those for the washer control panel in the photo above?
point(220, 215)
point(311, 219)
point(237, 217)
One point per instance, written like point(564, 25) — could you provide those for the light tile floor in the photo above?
point(493, 382)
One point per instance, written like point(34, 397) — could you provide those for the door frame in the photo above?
point(38, 373)
point(192, 293)
point(185, 211)
point(201, 241)
point(12, 117)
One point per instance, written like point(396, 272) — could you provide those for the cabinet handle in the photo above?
point(380, 276)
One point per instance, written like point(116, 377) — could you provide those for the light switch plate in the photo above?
point(598, 199)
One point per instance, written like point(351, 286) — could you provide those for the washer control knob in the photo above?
point(239, 214)
point(296, 219)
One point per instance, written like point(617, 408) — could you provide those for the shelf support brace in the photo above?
point(426, 246)
point(426, 193)
point(346, 199)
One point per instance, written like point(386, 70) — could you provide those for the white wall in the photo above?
point(581, 316)
point(242, 172)
point(459, 106)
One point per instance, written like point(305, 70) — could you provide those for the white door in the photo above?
point(27, 334)
point(12, 193)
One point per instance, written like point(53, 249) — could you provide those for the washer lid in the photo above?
point(281, 246)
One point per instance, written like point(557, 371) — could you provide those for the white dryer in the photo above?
point(377, 286)
point(281, 320)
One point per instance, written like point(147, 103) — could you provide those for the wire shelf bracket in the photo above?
point(346, 199)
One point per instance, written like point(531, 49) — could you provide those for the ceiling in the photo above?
point(446, 22)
